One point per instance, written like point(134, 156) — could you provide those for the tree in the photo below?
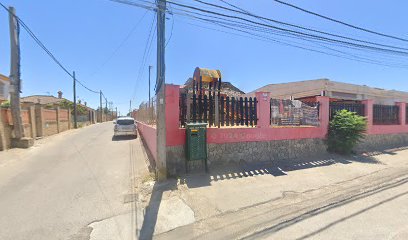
point(345, 131)
point(81, 110)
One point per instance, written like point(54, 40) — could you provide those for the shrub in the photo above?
point(346, 129)
point(5, 104)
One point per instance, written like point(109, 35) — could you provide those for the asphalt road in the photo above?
point(74, 185)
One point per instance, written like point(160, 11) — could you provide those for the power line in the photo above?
point(292, 31)
point(146, 54)
point(42, 46)
point(120, 45)
point(341, 22)
point(227, 22)
point(242, 11)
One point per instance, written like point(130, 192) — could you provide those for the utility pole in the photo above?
point(106, 109)
point(15, 75)
point(75, 102)
point(150, 68)
point(130, 108)
point(161, 168)
point(100, 104)
point(150, 108)
point(116, 112)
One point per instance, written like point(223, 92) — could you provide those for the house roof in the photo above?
point(335, 89)
point(42, 99)
point(4, 78)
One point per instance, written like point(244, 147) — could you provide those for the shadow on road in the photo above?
point(123, 138)
point(152, 210)
point(322, 209)
point(275, 168)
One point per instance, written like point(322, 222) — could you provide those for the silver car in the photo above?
point(125, 126)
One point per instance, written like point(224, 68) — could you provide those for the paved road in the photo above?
point(316, 203)
point(380, 216)
point(75, 185)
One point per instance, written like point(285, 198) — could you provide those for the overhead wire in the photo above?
point(146, 54)
point(259, 27)
point(128, 35)
point(245, 26)
point(42, 46)
point(242, 11)
point(341, 22)
point(291, 31)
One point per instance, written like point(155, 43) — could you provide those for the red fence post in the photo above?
point(324, 106)
point(368, 113)
point(402, 112)
point(263, 109)
point(172, 110)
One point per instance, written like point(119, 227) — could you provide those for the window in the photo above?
point(125, 122)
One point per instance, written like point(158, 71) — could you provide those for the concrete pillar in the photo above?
point(263, 109)
point(368, 113)
point(402, 112)
point(39, 120)
point(324, 106)
point(69, 119)
point(57, 111)
point(33, 122)
point(2, 132)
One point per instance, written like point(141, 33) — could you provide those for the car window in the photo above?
point(125, 122)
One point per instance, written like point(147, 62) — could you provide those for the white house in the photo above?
point(4, 87)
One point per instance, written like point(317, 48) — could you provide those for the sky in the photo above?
point(104, 43)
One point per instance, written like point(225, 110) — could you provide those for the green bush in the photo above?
point(5, 104)
point(346, 129)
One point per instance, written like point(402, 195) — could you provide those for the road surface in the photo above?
point(75, 185)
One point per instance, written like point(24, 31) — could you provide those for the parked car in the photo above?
point(125, 126)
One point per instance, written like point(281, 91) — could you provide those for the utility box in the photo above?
point(196, 143)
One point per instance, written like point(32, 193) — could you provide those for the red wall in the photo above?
point(149, 135)
point(385, 129)
point(176, 136)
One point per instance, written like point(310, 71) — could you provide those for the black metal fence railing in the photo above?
point(294, 113)
point(147, 112)
point(230, 111)
point(385, 114)
point(352, 107)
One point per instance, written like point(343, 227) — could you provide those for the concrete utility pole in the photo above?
point(161, 169)
point(130, 108)
point(100, 105)
point(75, 102)
point(15, 75)
point(116, 112)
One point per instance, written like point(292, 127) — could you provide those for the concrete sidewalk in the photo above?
point(197, 198)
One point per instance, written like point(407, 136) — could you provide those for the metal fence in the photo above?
point(385, 114)
point(147, 112)
point(352, 107)
point(294, 113)
point(217, 112)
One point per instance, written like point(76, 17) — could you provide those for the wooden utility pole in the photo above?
point(100, 104)
point(161, 168)
point(150, 68)
point(106, 109)
point(15, 82)
point(75, 102)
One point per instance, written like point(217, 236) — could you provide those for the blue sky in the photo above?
point(84, 34)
